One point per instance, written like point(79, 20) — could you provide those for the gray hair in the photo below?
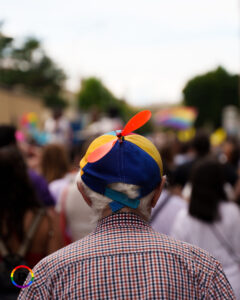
point(99, 202)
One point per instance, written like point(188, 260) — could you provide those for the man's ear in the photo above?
point(85, 197)
point(158, 192)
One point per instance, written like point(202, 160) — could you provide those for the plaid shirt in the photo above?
point(124, 258)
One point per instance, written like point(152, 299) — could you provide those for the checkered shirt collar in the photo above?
point(122, 220)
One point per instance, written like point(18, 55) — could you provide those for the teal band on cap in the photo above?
point(116, 206)
point(122, 199)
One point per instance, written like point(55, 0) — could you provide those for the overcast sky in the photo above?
point(144, 51)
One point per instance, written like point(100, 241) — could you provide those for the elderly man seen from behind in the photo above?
point(121, 178)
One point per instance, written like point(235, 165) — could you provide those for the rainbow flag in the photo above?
point(29, 120)
point(177, 117)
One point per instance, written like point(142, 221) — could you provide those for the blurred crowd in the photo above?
point(199, 204)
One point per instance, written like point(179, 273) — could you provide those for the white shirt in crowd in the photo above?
point(202, 234)
point(57, 186)
point(58, 130)
point(164, 218)
point(79, 216)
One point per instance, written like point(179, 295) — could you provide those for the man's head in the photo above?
point(128, 178)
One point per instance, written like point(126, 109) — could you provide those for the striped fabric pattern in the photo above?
point(124, 258)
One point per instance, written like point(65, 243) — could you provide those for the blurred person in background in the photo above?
point(27, 232)
point(228, 154)
point(75, 215)
point(107, 123)
point(58, 127)
point(230, 160)
point(32, 154)
point(7, 137)
point(211, 222)
point(167, 153)
point(183, 152)
point(76, 153)
point(231, 152)
point(200, 149)
point(55, 167)
point(169, 204)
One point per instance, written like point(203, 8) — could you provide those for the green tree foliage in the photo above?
point(93, 93)
point(210, 93)
point(5, 44)
point(28, 66)
point(55, 101)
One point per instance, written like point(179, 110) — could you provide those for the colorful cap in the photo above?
point(133, 159)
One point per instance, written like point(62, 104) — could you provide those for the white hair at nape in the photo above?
point(99, 202)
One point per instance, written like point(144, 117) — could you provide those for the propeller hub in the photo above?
point(120, 137)
point(119, 134)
